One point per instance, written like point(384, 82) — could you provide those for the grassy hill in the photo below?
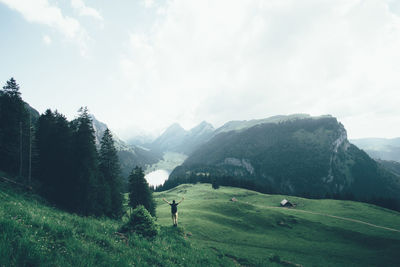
point(35, 234)
point(213, 231)
point(255, 228)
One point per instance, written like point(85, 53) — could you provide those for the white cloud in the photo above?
point(40, 11)
point(223, 60)
point(148, 3)
point(84, 10)
point(47, 40)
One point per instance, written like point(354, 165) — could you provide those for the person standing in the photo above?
point(174, 210)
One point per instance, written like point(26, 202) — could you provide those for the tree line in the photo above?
point(62, 158)
point(241, 182)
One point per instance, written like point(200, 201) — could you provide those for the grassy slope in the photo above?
point(34, 234)
point(254, 228)
point(248, 231)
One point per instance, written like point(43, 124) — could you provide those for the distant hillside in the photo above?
point(391, 165)
point(380, 148)
point(171, 139)
point(302, 156)
point(141, 139)
point(177, 139)
point(129, 155)
point(33, 112)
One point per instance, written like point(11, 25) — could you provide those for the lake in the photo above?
point(157, 177)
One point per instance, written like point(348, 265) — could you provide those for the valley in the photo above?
point(158, 173)
point(296, 157)
point(187, 133)
point(212, 231)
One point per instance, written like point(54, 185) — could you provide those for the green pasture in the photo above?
point(254, 228)
point(212, 231)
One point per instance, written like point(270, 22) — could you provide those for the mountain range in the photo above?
point(296, 154)
point(177, 139)
point(380, 148)
point(129, 156)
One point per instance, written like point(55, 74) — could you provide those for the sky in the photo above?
point(141, 65)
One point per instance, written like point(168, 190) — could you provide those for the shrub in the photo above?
point(275, 258)
point(141, 222)
point(214, 183)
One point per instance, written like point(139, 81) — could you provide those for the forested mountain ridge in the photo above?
point(177, 139)
point(302, 156)
point(391, 165)
point(129, 155)
point(33, 112)
point(237, 125)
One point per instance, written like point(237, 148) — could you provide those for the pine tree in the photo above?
point(11, 89)
point(86, 183)
point(110, 172)
point(139, 191)
point(14, 130)
point(214, 183)
point(53, 139)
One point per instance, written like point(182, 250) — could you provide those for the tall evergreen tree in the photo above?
point(14, 130)
point(110, 194)
point(86, 184)
point(139, 191)
point(12, 89)
point(54, 138)
point(214, 182)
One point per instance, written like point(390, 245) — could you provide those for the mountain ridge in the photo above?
point(129, 155)
point(380, 148)
point(176, 139)
point(309, 155)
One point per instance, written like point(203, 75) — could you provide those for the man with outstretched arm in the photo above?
point(174, 210)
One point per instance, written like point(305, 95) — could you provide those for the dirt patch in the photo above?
point(288, 263)
point(236, 261)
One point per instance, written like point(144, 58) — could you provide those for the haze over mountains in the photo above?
point(129, 155)
point(383, 150)
point(295, 154)
point(299, 155)
point(177, 139)
point(380, 148)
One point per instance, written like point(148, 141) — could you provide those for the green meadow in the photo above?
point(315, 233)
point(212, 231)
point(35, 234)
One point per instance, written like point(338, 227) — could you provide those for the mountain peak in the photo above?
point(174, 128)
point(290, 155)
point(99, 129)
point(202, 126)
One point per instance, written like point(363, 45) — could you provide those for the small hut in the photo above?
point(286, 203)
